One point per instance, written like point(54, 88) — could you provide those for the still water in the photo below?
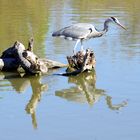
point(100, 105)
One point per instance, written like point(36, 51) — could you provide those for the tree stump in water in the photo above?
point(80, 62)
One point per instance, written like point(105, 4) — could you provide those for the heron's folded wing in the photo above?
point(74, 32)
point(59, 32)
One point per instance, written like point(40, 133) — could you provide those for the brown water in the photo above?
point(101, 105)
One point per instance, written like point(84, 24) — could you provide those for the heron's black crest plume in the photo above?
point(113, 18)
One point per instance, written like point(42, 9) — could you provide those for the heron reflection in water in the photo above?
point(84, 31)
point(85, 91)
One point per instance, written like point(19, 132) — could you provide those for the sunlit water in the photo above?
point(101, 105)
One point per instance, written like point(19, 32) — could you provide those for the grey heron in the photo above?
point(84, 31)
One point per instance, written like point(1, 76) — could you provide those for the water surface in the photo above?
point(100, 105)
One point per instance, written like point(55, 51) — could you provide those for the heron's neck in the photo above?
point(106, 23)
point(105, 29)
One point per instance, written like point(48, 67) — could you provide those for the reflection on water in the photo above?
point(116, 106)
point(18, 83)
point(37, 89)
point(85, 91)
point(23, 82)
point(117, 68)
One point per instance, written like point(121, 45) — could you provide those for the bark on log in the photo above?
point(24, 58)
point(51, 64)
point(30, 45)
point(8, 64)
point(82, 61)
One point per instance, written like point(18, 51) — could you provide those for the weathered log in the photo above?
point(8, 64)
point(9, 59)
point(82, 61)
point(52, 64)
point(30, 45)
point(12, 51)
point(17, 56)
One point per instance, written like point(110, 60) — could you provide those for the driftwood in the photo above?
point(81, 62)
point(17, 56)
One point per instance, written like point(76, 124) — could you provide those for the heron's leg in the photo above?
point(74, 50)
point(82, 48)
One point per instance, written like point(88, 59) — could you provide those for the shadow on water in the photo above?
point(85, 91)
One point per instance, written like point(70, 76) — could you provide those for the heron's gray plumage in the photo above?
point(84, 31)
point(76, 31)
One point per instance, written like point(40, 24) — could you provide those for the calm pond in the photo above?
point(100, 105)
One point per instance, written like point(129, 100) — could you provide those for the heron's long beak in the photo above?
point(121, 25)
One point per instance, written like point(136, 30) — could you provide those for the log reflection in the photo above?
point(85, 91)
point(20, 84)
point(37, 89)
